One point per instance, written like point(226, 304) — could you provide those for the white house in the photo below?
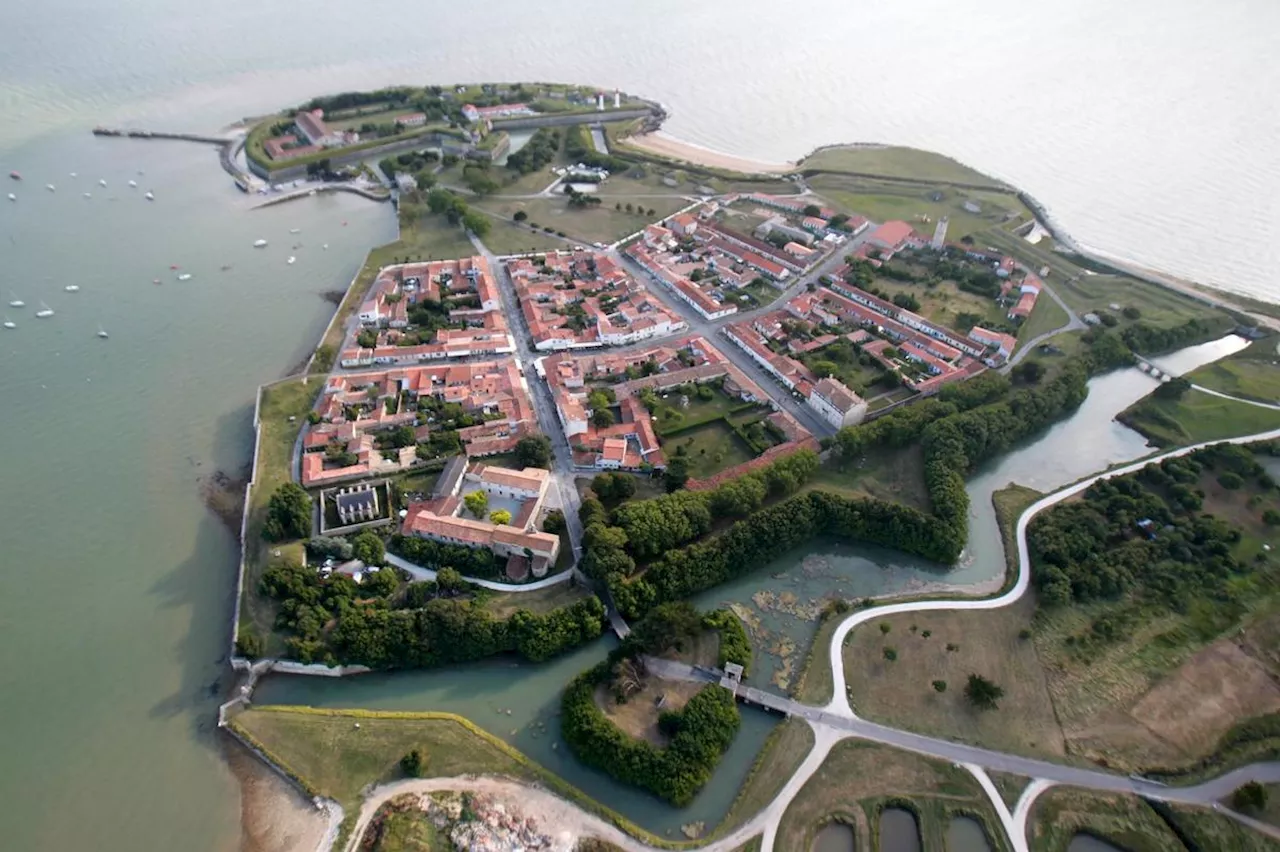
point(836, 404)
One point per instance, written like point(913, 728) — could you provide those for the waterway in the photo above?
point(116, 587)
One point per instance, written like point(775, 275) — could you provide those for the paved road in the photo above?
point(420, 573)
point(1074, 323)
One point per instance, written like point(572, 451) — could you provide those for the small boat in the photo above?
point(325, 246)
point(133, 183)
point(72, 288)
point(225, 267)
point(102, 332)
point(15, 302)
point(88, 195)
point(149, 197)
point(102, 183)
point(45, 311)
point(186, 276)
point(291, 259)
point(155, 280)
point(295, 230)
point(50, 187)
point(174, 266)
point(259, 243)
point(8, 323)
point(73, 174)
point(15, 175)
point(13, 197)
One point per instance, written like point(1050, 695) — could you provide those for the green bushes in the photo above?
point(735, 646)
point(700, 734)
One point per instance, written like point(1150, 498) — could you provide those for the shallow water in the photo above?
point(834, 837)
point(899, 831)
point(965, 834)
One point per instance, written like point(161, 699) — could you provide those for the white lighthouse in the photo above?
point(600, 101)
point(617, 99)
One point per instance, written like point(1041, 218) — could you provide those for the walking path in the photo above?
point(420, 573)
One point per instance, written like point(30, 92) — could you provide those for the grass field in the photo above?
point(585, 226)
point(944, 302)
point(783, 752)
point(900, 692)
point(881, 201)
point(814, 685)
point(858, 779)
point(291, 398)
point(1253, 372)
point(503, 604)
point(1214, 831)
point(894, 475)
point(1047, 316)
point(410, 832)
point(507, 237)
point(1196, 417)
point(1063, 812)
point(710, 448)
point(895, 162)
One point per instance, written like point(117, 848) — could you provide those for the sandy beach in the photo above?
point(274, 817)
point(666, 146)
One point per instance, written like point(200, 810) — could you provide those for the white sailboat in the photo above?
point(102, 332)
point(291, 259)
point(133, 184)
point(259, 243)
point(186, 276)
point(14, 301)
point(149, 196)
point(45, 311)
point(50, 187)
point(72, 288)
point(8, 323)
point(102, 183)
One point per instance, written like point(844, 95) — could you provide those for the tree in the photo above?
point(413, 763)
point(613, 487)
point(1029, 372)
point(1174, 388)
point(885, 627)
point(554, 522)
point(812, 210)
point(368, 548)
point(477, 503)
point(520, 216)
point(367, 339)
point(288, 513)
point(667, 626)
point(476, 222)
point(534, 451)
point(602, 418)
point(1249, 798)
point(822, 369)
point(676, 475)
point(890, 653)
point(939, 686)
point(501, 517)
point(449, 582)
point(982, 693)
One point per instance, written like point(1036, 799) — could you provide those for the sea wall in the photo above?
point(447, 144)
point(608, 115)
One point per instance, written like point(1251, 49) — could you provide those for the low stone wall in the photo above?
point(343, 157)
point(608, 115)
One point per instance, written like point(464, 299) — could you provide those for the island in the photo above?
point(599, 387)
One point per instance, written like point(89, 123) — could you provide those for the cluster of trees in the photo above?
point(534, 451)
point(334, 620)
point(578, 148)
point(581, 199)
point(699, 735)
point(1145, 338)
point(613, 488)
point(479, 179)
point(540, 150)
point(288, 514)
point(475, 562)
point(1143, 538)
point(442, 202)
point(735, 645)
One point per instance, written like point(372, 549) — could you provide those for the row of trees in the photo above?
point(699, 735)
point(442, 202)
point(335, 620)
point(1145, 338)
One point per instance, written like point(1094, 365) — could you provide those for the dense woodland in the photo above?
point(378, 624)
point(699, 733)
point(1144, 541)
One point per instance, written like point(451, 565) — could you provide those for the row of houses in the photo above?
point(465, 288)
point(582, 299)
point(354, 407)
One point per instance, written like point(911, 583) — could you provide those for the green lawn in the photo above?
point(1047, 316)
point(1196, 417)
point(881, 201)
point(893, 475)
point(895, 162)
point(1253, 372)
point(710, 448)
point(585, 226)
point(1126, 821)
point(507, 237)
point(291, 398)
point(503, 604)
